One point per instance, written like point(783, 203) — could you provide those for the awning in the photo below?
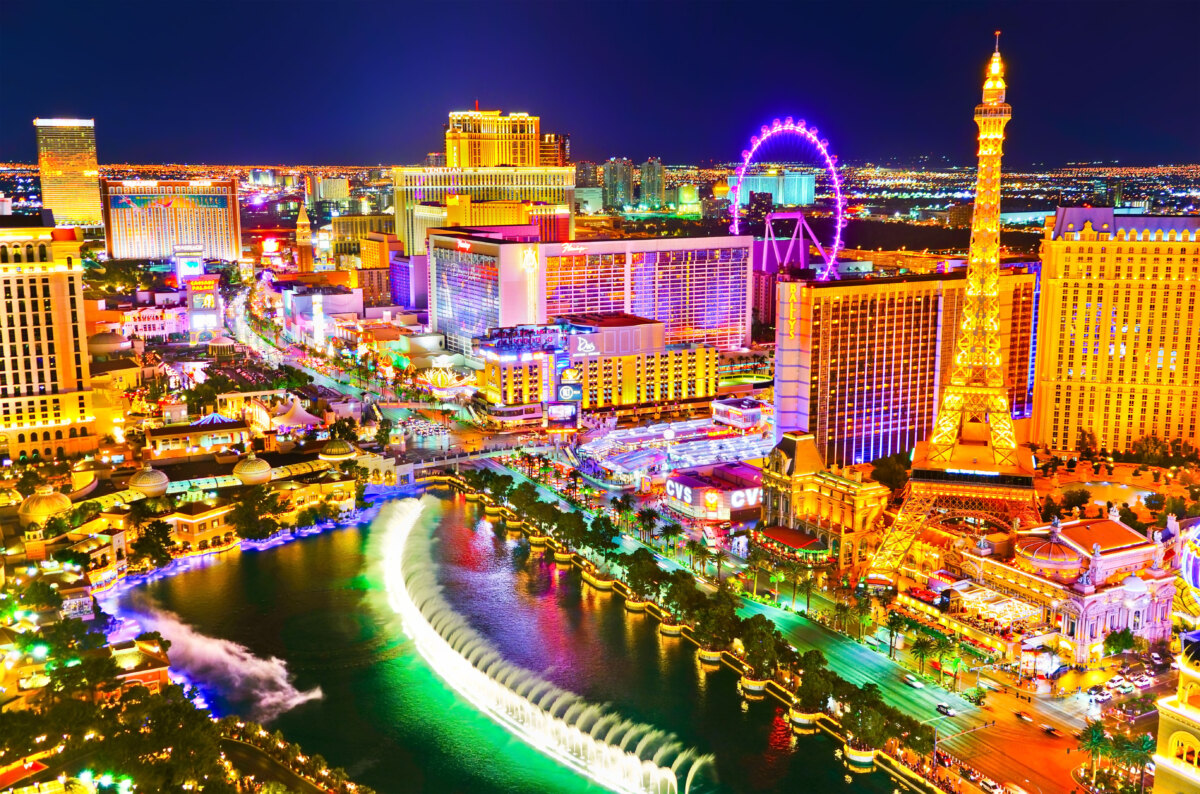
point(796, 539)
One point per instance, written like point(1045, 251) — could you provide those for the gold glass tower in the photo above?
point(968, 473)
point(70, 176)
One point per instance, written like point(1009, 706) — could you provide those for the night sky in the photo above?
point(357, 82)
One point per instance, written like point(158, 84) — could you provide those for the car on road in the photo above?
point(1095, 690)
point(914, 682)
point(1023, 716)
point(1114, 682)
point(990, 786)
point(1127, 688)
point(1104, 697)
point(947, 709)
point(1143, 681)
point(1050, 730)
point(1154, 657)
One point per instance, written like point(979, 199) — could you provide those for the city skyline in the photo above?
point(341, 115)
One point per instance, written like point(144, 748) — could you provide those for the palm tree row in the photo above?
point(1132, 752)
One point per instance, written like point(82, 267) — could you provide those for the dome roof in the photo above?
point(42, 504)
point(1048, 550)
point(252, 470)
point(338, 450)
point(149, 481)
point(1135, 586)
point(106, 342)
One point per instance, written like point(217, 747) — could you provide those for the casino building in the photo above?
point(614, 362)
point(148, 219)
point(500, 276)
point(1119, 340)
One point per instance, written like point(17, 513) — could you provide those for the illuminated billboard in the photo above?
point(561, 417)
point(167, 201)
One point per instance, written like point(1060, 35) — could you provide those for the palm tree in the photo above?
point(794, 571)
point(759, 561)
point(693, 548)
point(718, 555)
point(807, 585)
point(670, 531)
point(841, 612)
point(922, 648)
point(862, 611)
point(647, 520)
point(702, 557)
point(895, 625)
point(1137, 752)
point(942, 647)
point(623, 506)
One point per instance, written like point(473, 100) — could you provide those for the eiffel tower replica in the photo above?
point(969, 473)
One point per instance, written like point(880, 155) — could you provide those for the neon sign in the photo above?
point(462, 245)
point(573, 248)
point(747, 497)
point(679, 491)
point(712, 500)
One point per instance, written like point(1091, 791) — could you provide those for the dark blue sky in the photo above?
point(355, 82)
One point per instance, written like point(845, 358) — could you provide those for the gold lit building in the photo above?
point(423, 199)
point(1177, 761)
point(838, 506)
point(600, 361)
point(484, 138)
point(45, 392)
point(859, 362)
point(69, 173)
point(1119, 339)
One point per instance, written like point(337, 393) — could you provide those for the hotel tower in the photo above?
point(69, 174)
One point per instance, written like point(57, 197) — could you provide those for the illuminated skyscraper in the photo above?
point(555, 149)
point(971, 463)
point(652, 183)
point(587, 174)
point(618, 183)
point(147, 219)
point(45, 393)
point(1119, 344)
point(69, 173)
point(484, 138)
point(859, 362)
point(422, 196)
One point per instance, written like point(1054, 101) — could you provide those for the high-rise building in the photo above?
point(618, 183)
point(334, 189)
point(435, 160)
point(587, 174)
point(971, 462)
point(70, 176)
point(349, 230)
point(45, 393)
point(478, 283)
point(699, 288)
point(485, 139)
point(146, 219)
point(555, 149)
point(859, 362)
point(652, 183)
point(422, 196)
point(1119, 340)
point(786, 187)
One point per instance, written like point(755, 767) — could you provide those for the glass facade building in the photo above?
point(70, 176)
